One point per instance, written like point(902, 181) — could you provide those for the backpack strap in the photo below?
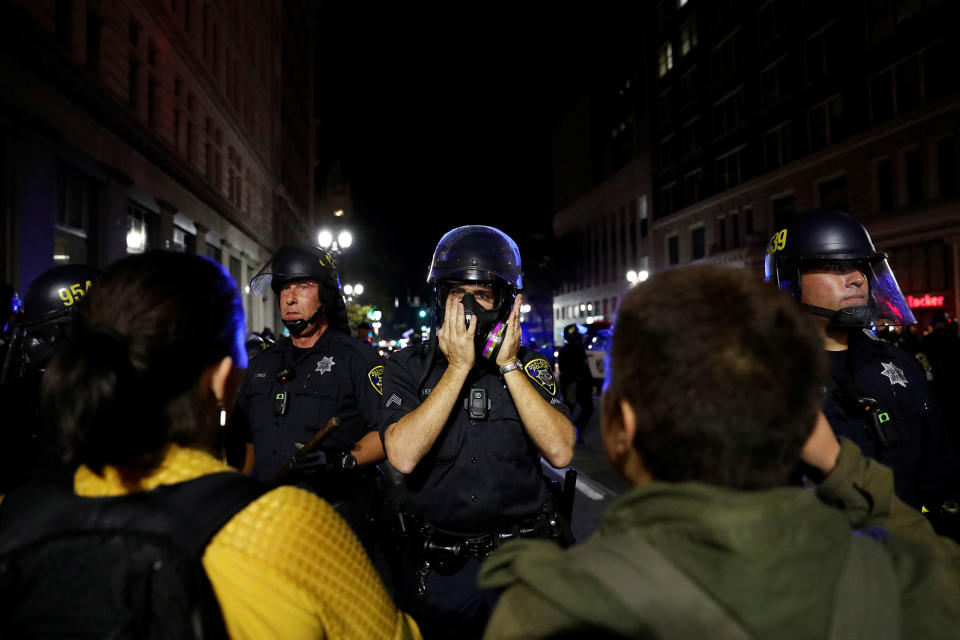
point(619, 564)
point(190, 512)
point(867, 596)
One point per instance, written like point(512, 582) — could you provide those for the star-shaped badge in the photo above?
point(325, 364)
point(894, 374)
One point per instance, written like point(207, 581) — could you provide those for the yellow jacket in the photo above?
point(286, 566)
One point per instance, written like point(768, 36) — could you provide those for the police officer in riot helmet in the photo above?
point(466, 416)
point(27, 447)
point(876, 395)
point(296, 385)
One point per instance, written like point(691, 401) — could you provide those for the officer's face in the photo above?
point(835, 286)
point(482, 292)
point(299, 299)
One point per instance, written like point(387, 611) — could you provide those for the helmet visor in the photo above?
point(262, 280)
point(476, 253)
point(891, 308)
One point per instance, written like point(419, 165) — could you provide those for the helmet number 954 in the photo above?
point(778, 241)
point(74, 293)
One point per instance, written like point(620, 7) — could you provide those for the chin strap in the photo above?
point(299, 326)
point(858, 316)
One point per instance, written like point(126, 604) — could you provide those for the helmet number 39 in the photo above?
point(778, 241)
point(73, 294)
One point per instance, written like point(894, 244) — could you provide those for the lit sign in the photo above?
point(926, 301)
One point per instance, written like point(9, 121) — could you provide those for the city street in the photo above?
point(597, 483)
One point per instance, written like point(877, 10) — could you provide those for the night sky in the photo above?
point(443, 119)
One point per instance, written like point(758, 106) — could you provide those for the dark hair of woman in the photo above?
point(127, 383)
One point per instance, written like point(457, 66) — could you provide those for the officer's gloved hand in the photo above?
point(318, 464)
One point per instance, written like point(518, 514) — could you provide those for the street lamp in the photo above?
point(326, 240)
point(636, 277)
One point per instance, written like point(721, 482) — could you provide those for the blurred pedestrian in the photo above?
point(576, 381)
point(707, 424)
point(138, 395)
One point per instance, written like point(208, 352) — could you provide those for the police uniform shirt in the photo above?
point(925, 470)
point(339, 376)
point(481, 474)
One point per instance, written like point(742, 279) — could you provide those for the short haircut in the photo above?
point(724, 373)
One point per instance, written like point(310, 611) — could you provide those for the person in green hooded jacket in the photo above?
point(708, 421)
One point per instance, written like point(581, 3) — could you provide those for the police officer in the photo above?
point(27, 448)
point(876, 394)
point(575, 377)
point(466, 416)
point(295, 386)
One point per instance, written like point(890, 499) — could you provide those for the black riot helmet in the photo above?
point(292, 263)
point(821, 238)
point(477, 254)
point(49, 304)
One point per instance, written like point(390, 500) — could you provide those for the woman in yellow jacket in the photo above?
point(138, 396)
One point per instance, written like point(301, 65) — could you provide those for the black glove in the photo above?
point(320, 463)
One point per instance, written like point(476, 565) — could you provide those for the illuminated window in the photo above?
point(688, 36)
point(664, 59)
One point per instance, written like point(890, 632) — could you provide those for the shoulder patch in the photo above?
point(539, 371)
point(376, 378)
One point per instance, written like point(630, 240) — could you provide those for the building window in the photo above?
point(721, 234)
point(94, 27)
point(138, 227)
point(184, 241)
point(883, 179)
point(783, 207)
point(688, 36)
point(824, 123)
point(947, 166)
point(214, 253)
point(236, 271)
point(673, 250)
point(778, 146)
point(77, 200)
point(725, 57)
point(773, 81)
point(665, 105)
point(689, 140)
point(728, 169)
point(897, 89)
point(914, 176)
point(667, 151)
point(729, 112)
point(698, 243)
point(771, 20)
point(133, 66)
point(819, 52)
point(668, 198)
point(664, 59)
point(693, 186)
point(734, 231)
point(833, 194)
point(690, 85)
point(748, 222)
point(642, 203)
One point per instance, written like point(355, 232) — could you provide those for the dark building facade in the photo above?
point(175, 124)
point(762, 108)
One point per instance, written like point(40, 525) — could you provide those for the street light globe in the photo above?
point(324, 239)
point(631, 276)
point(358, 289)
point(524, 308)
point(134, 240)
point(344, 239)
point(643, 275)
point(348, 289)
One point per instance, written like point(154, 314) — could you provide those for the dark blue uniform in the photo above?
point(480, 482)
point(339, 376)
point(925, 470)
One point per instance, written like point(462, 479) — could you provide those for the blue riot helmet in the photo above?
point(477, 254)
point(292, 263)
point(826, 239)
